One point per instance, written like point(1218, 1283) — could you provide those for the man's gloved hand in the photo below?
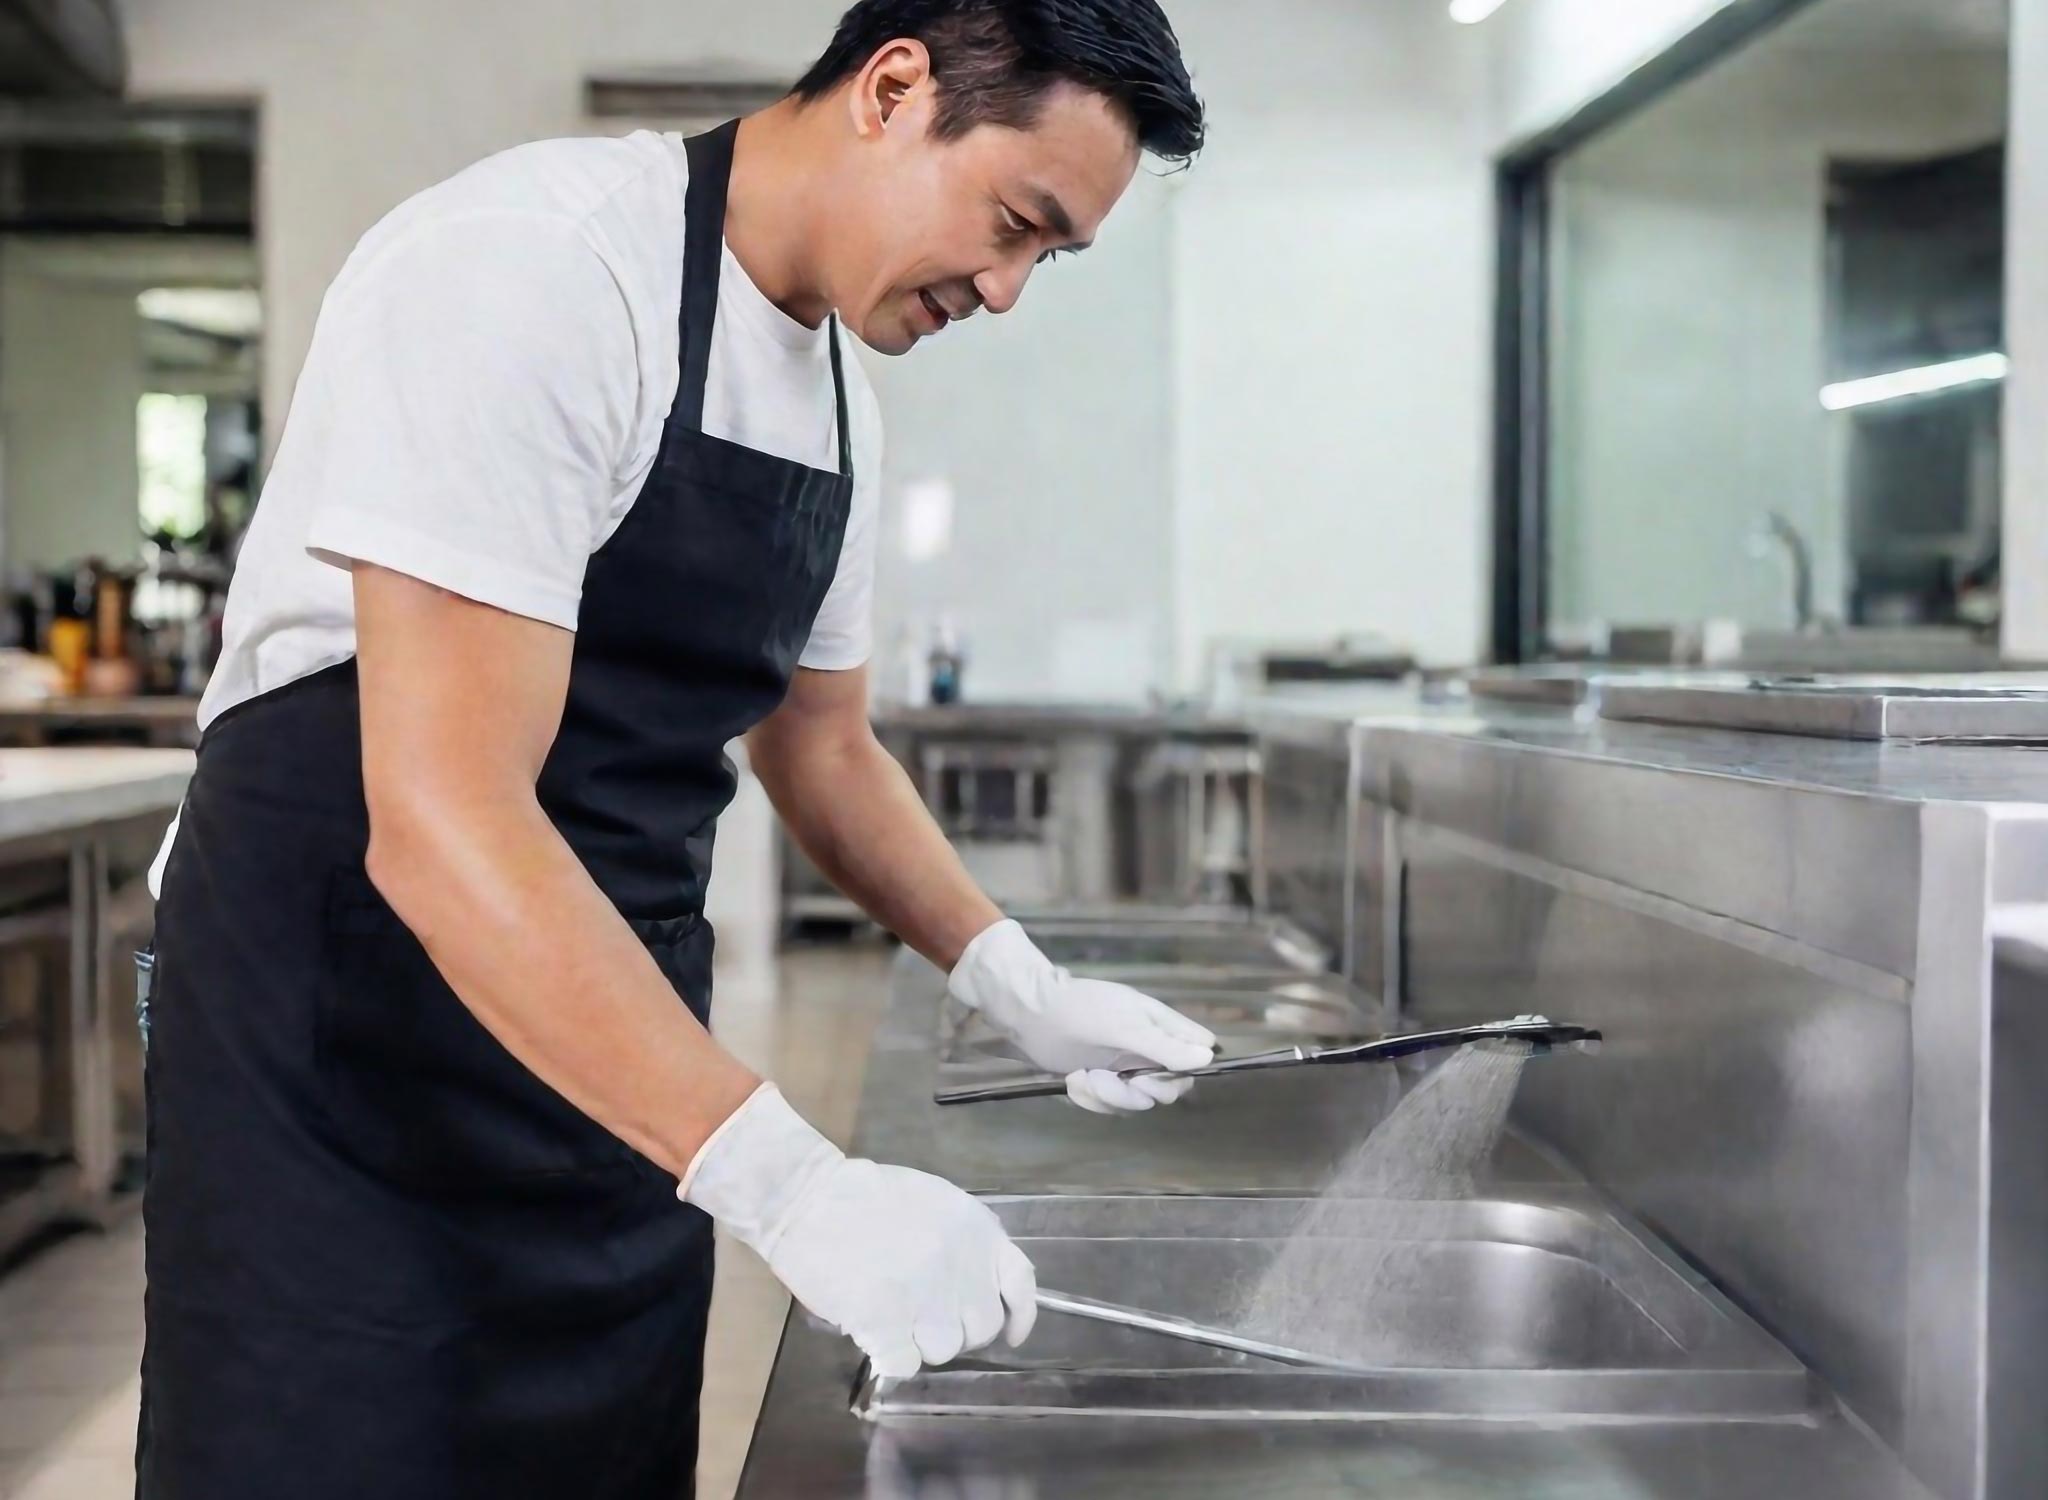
point(909, 1267)
point(1084, 1028)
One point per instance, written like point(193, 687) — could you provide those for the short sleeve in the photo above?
point(471, 389)
point(842, 637)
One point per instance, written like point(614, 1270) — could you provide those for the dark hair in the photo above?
point(995, 60)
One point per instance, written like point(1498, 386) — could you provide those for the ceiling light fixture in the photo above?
point(1923, 381)
point(1471, 12)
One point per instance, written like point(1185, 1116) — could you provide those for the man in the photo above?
point(578, 486)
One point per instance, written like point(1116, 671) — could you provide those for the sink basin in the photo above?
point(1248, 1013)
point(1108, 946)
point(1540, 1307)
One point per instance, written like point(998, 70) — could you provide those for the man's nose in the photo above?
point(1001, 286)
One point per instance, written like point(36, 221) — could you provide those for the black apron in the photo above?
point(385, 1261)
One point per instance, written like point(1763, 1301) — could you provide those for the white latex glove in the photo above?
point(1087, 1029)
point(909, 1267)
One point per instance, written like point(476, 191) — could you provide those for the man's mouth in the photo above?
point(936, 310)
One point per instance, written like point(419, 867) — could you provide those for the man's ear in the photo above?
point(891, 76)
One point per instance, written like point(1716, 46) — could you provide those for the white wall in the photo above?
point(1331, 286)
point(364, 102)
point(1551, 57)
point(1690, 328)
point(70, 377)
point(2026, 315)
point(1050, 429)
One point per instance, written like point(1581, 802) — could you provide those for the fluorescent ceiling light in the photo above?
point(1924, 381)
point(229, 312)
point(1472, 12)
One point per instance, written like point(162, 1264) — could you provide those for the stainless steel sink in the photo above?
point(1539, 1307)
point(1111, 946)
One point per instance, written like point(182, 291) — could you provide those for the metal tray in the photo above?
point(1546, 1307)
point(1542, 686)
point(1922, 712)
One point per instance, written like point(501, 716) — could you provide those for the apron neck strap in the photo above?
point(710, 157)
point(839, 397)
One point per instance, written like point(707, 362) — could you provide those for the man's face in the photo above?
point(943, 229)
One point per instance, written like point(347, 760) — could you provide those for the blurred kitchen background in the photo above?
point(1291, 430)
point(1490, 354)
point(1594, 330)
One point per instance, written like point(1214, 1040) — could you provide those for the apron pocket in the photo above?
point(417, 1090)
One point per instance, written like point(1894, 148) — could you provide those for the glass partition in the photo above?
point(1774, 335)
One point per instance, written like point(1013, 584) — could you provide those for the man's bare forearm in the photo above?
point(453, 739)
point(526, 939)
point(859, 818)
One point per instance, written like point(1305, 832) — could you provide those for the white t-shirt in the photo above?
point(484, 397)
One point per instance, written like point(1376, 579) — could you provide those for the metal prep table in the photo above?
point(1054, 805)
point(77, 828)
point(157, 722)
point(1789, 942)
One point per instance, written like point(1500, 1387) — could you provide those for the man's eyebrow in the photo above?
point(1056, 215)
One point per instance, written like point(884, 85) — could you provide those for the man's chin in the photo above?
point(893, 340)
point(885, 335)
point(899, 342)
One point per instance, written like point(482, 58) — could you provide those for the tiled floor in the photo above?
point(70, 1320)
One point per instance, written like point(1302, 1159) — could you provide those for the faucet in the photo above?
point(1778, 527)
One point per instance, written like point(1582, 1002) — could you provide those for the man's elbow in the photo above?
point(790, 753)
point(438, 826)
point(395, 858)
point(413, 842)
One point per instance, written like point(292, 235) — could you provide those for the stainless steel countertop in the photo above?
point(808, 1443)
point(1903, 772)
point(1898, 772)
point(1053, 719)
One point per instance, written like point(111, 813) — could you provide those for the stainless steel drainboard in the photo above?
point(1111, 944)
point(1541, 1308)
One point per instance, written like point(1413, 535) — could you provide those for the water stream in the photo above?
point(1354, 1281)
